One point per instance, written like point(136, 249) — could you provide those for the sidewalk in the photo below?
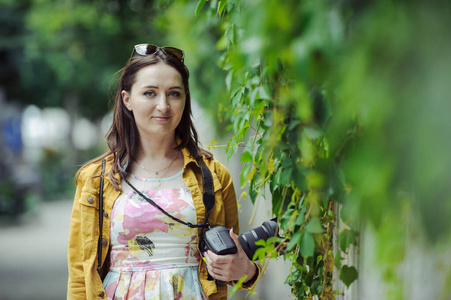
point(33, 254)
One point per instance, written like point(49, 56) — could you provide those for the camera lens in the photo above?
point(265, 231)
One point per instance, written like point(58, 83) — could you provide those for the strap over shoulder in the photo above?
point(99, 243)
point(208, 196)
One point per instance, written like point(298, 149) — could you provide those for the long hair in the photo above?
point(123, 137)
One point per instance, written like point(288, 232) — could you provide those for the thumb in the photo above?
point(236, 240)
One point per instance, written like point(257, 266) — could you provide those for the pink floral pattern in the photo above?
point(153, 256)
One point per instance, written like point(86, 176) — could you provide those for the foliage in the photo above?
point(277, 56)
point(11, 30)
point(325, 102)
point(67, 52)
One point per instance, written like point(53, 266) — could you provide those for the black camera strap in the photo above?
point(208, 196)
point(99, 242)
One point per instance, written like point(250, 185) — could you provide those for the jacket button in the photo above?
point(105, 214)
point(102, 294)
point(104, 242)
point(90, 200)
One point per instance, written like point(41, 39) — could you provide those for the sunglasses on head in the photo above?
point(147, 49)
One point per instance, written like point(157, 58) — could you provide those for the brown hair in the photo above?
point(123, 137)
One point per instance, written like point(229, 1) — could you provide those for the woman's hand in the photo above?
point(230, 267)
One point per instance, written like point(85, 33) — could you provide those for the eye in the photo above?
point(149, 93)
point(174, 94)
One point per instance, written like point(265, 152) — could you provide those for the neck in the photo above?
point(155, 149)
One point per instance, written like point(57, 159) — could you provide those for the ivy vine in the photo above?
point(339, 115)
point(279, 113)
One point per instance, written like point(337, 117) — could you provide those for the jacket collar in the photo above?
point(188, 158)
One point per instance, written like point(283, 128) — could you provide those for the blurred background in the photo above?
point(384, 66)
point(59, 62)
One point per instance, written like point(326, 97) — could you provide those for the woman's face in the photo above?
point(157, 100)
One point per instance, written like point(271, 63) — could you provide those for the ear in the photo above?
point(126, 99)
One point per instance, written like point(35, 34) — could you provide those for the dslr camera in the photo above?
point(218, 240)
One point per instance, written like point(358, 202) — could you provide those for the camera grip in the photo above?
point(218, 240)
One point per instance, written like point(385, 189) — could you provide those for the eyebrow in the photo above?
point(155, 87)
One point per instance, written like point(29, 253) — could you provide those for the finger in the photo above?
point(211, 257)
point(217, 260)
point(223, 274)
point(214, 270)
point(207, 258)
point(236, 240)
point(216, 275)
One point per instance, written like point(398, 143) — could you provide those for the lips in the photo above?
point(161, 118)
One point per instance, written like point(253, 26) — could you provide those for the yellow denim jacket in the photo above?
point(84, 280)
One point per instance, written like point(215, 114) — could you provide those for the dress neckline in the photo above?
point(179, 173)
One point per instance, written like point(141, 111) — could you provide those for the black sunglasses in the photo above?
point(147, 49)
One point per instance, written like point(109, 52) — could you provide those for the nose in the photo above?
point(162, 104)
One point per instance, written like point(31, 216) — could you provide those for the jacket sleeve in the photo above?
point(229, 198)
point(76, 284)
point(231, 215)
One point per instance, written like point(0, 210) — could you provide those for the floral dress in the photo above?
point(153, 256)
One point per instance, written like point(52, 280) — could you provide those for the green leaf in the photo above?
point(314, 226)
point(276, 203)
point(229, 29)
point(246, 157)
point(264, 93)
point(238, 95)
point(199, 6)
point(337, 260)
point(294, 240)
point(237, 90)
point(260, 243)
point(236, 286)
point(307, 245)
point(275, 181)
point(346, 238)
point(319, 258)
point(287, 215)
point(300, 220)
point(286, 176)
point(221, 7)
point(253, 193)
point(231, 148)
point(212, 144)
point(299, 178)
point(259, 254)
point(348, 275)
point(242, 133)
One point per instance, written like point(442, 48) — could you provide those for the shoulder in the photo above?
point(217, 167)
point(213, 164)
point(94, 168)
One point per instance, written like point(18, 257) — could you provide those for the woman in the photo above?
point(154, 148)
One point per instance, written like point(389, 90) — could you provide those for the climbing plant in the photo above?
point(277, 57)
point(324, 99)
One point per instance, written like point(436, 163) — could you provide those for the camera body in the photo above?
point(218, 240)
